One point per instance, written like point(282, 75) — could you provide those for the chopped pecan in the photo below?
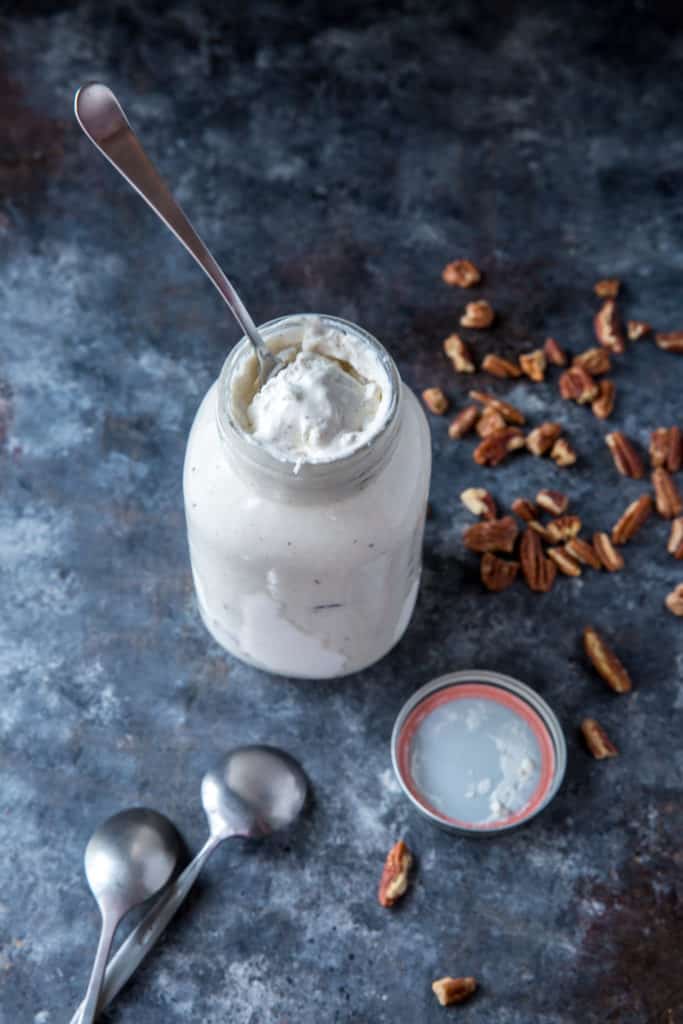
point(498, 445)
point(499, 367)
point(459, 354)
point(563, 453)
point(509, 413)
point(496, 573)
point(607, 553)
point(495, 535)
point(394, 881)
point(594, 361)
point(489, 422)
point(478, 314)
point(461, 273)
point(554, 352)
point(554, 502)
point(597, 740)
point(524, 509)
point(435, 400)
point(674, 600)
point(533, 364)
point(632, 519)
point(564, 561)
point(463, 422)
point(603, 405)
point(675, 545)
point(608, 329)
point(666, 448)
point(542, 438)
point(539, 572)
point(479, 502)
point(453, 990)
point(637, 329)
point(626, 458)
point(670, 341)
point(577, 385)
point(605, 661)
point(583, 551)
point(667, 497)
point(562, 528)
point(607, 288)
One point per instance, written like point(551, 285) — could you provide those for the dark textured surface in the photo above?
point(334, 162)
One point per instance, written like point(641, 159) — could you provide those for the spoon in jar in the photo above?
point(101, 117)
point(252, 792)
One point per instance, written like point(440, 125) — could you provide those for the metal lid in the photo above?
point(478, 752)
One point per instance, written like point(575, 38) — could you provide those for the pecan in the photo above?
point(533, 364)
point(495, 535)
point(597, 740)
point(461, 273)
point(577, 385)
point(435, 400)
point(459, 354)
point(524, 509)
point(608, 329)
point(554, 502)
point(554, 352)
point(496, 573)
point(670, 341)
point(563, 453)
point(564, 561)
point(675, 545)
point(674, 600)
point(394, 881)
point(498, 445)
point(667, 497)
point(453, 990)
point(509, 413)
point(583, 552)
point(637, 329)
point(563, 528)
point(479, 502)
point(594, 361)
point(626, 458)
point(463, 422)
point(539, 572)
point(499, 367)
point(542, 438)
point(603, 405)
point(539, 528)
point(478, 314)
point(607, 288)
point(632, 519)
point(490, 421)
point(666, 448)
point(605, 661)
point(607, 553)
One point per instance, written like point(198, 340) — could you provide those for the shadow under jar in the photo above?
point(306, 568)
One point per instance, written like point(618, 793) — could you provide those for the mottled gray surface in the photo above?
point(335, 162)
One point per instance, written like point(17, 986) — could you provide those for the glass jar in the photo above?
point(313, 570)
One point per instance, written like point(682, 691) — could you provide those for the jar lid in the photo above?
point(478, 752)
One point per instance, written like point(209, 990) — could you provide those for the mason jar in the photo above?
point(306, 569)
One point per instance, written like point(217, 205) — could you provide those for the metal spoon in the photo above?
point(129, 858)
point(252, 792)
point(101, 117)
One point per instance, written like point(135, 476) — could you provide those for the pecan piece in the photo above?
point(533, 364)
point(597, 740)
point(461, 273)
point(479, 502)
point(667, 497)
point(543, 437)
point(539, 572)
point(594, 361)
point(498, 445)
point(394, 881)
point(605, 661)
point(496, 573)
point(666, 448)
point(554, 502)
point(675, 545)
point(608, 329)
point(562, 528)
point(499, 367)
point(670, 341)
point(626, 458)
point(435, 400)
point(563, 453)
point(539, 528)
point(608, 288)
point(453, 990)
point(674, 600)
point(637, 329)
point(564, 561)
point(583, 552)
point(554, 352)
point(524, 509)
point(478, 314)
point(632, 519)
point(577, 385)
point(459, 354)
point(509, 413)
point(495, 535)
point(490, 421)
point(603, 405)
point(463, 422)
point(607, 553)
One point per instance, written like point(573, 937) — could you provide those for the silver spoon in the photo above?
point(129, 858)
point(101, 117)
point(252, 792)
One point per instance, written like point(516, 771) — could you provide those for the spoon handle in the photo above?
point(88, 1008)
